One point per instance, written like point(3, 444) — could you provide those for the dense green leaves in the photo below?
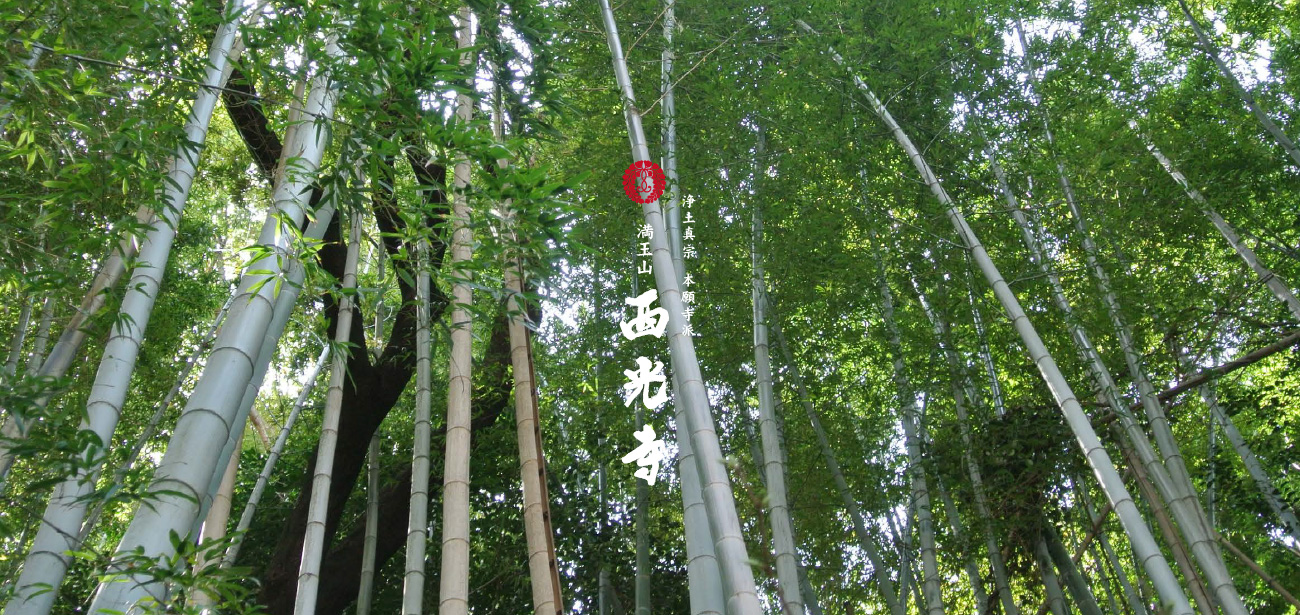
point(89, 125)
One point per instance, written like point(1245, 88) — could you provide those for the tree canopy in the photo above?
point(975, 306)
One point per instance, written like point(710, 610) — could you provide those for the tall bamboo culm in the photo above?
point(273, 457)
point(543, 569)
point(61, 525)
point(1103, 468)
point(366, 588)
point(313, 542)
point(417, 527)
point(702, 578)
point(729, 543)
point(865, 541)
point(964, 393)
point(454, 581)
point(185, 473)
point(910, 415)
point(150, 428)
point(787, 558)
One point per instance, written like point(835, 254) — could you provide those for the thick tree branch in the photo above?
point(369, 392)
point(1215, 372)
point(341, 565)
point(245, 111)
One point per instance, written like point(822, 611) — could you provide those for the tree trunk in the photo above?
point(1091, 446)
point(272, 458)
point(1135, 603)
point(809, 593)
point(366, 591)
point(14, 428)
point(1074, 581)
point(1245, 95)
point(110, 271)
point(61, 525)
point(703, 576)
point(604, 589)
point(314, 540)
point(417, 527)
point(986, 354)
point(1166, 526)
point(183, 477)
point(642, 536)
point(542, 567)
point(1104, 578)
point(454, 581)
point(370, 393)
point(285, 301)
point(1263, 574)
point(972, 569)
point(787, 559)
point(879, 573)
point(733, 558)
point(668, 111)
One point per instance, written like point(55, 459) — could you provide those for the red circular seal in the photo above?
point(643, 181)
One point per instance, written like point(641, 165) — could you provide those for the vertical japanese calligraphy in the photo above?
point(647, 381)
point(644, 182)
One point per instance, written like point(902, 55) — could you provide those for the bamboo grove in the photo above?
point(964, 307)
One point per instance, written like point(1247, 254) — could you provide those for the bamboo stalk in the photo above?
point(61, 526)
point(453, 594)
point(732, 554)
point(183, 479)
point(273, 457)
point(1104, 469)
point(313, 542)
point(783, 547)
point(366, 588)
point(1263, 574)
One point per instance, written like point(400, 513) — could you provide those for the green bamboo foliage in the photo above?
point(1275, 284)
point(1138, 532)
point(1246, 97)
